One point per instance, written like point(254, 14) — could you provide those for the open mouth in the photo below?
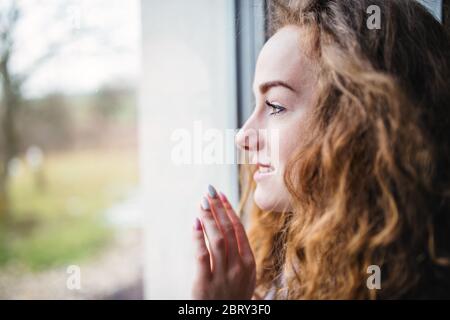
point(263, 170)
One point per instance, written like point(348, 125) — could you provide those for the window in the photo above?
point(69, 215)
point(435, 7)
point(198, 63)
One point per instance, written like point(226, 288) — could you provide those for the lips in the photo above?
point(263, 171)
point(264, 168)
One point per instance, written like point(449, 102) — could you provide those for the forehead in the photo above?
point(283, 58)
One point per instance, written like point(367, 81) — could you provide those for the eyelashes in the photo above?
point(276, 109)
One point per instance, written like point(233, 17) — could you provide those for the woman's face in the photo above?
point(284, 94)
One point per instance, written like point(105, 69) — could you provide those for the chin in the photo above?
point(267, 200)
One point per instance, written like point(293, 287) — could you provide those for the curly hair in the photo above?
point(371, 186)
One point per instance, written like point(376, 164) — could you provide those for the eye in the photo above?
point(276, 109)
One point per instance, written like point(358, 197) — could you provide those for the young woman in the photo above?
point(358, 183)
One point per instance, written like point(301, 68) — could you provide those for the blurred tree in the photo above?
point(12, 84)
point(35, 116)
point(9, 102)
point(108, 102)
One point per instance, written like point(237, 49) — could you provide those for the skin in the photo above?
point(282, 58)
point(226, 269)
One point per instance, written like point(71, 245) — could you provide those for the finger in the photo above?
point(215, 238)
point(226, 226)
point(241, 236)
point(201, 251)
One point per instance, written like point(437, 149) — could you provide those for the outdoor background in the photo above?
point(68, 148)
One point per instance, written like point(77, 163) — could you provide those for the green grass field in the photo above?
point(57, 214)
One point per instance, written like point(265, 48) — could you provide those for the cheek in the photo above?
point(293, 135)
point(272, 194)
point(284, 146)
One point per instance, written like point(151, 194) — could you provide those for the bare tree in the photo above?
point(10, 100)
point(12, 86)
point(12, 82)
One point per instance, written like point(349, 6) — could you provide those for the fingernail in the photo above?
point(205, 204)
point(222, 196)
point(197, 225)
point(212, 191)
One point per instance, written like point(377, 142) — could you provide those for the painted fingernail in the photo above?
point(197, 225)
point(205, 203)
point(212, 191)
point(222, 196)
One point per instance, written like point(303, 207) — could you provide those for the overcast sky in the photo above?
point(109, 54)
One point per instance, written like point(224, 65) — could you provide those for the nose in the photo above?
point(248, 137)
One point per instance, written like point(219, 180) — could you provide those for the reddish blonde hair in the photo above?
point(371, 187)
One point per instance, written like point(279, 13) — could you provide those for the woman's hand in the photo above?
point(225, 265)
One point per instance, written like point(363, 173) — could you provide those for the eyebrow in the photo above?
point(264, 87)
